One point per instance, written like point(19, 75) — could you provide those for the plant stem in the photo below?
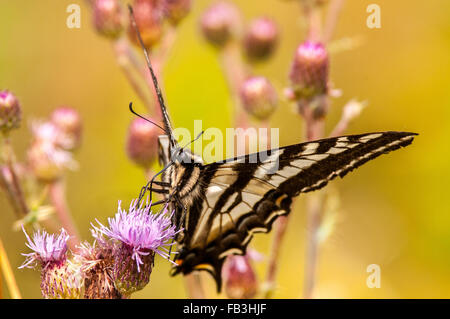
point(5, 266)
point(334, 10)
point(57, 195)
point(10, 180)
point(235, 72)
point(314, 129)
point(314, 208)
point(272, 268)
point(126, 61)
point(312, 14)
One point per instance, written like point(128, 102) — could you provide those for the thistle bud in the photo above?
point(219, 23)
point(176, 10)
point(68, 121)
point(258, 97)
point(261, 38)
point(10, 111)
point(139, 235)
point(240, 278)
point(108, 18)
point(58, 281)
point(309, 71)
point(149, 20)
point(142, 142)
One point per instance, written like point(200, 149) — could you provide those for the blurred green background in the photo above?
point(394, 211)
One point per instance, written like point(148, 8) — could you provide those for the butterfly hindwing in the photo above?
point(245, 195)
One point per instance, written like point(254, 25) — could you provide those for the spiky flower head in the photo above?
point(68, 121)
point(58, 279)
point(258, 97)
point(96, 262)
point(261, 38)
point(10, 111)
point(109, 18)
point(309, 71)
point(142, 142)
point(240, 278)
point(176, 10)
point(220, 22)
point(139, 234)
point(149, 17)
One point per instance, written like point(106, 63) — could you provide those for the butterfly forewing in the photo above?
point(245, 195)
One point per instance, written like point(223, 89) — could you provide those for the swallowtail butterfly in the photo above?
point(223, 204)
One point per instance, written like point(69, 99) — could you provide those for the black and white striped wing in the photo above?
point(244, 195)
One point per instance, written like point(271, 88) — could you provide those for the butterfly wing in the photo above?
point(244, 195)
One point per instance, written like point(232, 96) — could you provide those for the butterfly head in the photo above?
point(181, 155)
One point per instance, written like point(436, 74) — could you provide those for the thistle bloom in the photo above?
point(258, 97)
point(10, 111)
point(309, 71)
point(219, 23)
point(58, 281)
point(96, 263)
point(47, 156)
point(309, 78)
point(240, 278)
point(142, 142)
point(261, 38)
point(149, 19)
point(68, 121)
point(139, 234)
point(176, 10)
point(108, 18)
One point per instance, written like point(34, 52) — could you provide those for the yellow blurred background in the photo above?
point(394, 211)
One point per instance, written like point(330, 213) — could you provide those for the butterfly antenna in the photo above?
point(155, 80)
point(144, 118)
point(198, 136)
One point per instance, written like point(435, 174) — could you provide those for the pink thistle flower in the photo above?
point(46, 248)
point(58, 279)
point(239, 276)
point(309, 71)
point(140, 234)
point(47, 156)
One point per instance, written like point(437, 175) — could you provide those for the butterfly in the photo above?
point(221, 205)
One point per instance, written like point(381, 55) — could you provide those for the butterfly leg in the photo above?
point(150, 183)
